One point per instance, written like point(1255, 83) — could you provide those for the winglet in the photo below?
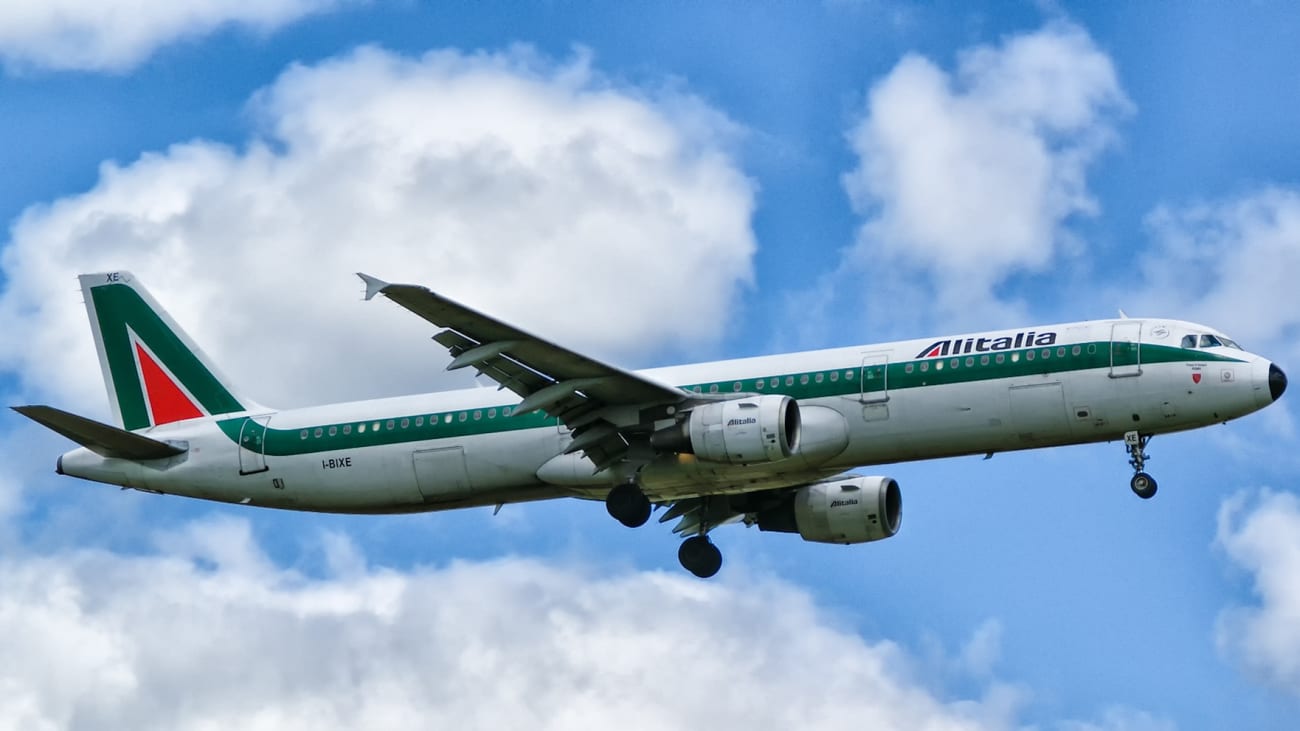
point(373, 286)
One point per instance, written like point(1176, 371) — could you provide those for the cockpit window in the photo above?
point(1189, 341)
point(1209, 341)
point(1229, 342)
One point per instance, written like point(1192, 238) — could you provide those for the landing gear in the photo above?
point(1143, 485)
point(628, 505)
point(699, 556)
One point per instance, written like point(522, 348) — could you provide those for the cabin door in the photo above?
point(1126, 349)
point(252, 445)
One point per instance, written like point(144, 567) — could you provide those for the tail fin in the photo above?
point(154, 373)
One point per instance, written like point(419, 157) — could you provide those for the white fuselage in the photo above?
point(921, 399)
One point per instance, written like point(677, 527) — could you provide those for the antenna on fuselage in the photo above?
point(1122, 314)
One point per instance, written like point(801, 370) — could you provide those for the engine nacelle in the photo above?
point(737, 431)
point(846, 510)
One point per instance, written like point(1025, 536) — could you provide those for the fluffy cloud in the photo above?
point(117, 34)
point(1261, 534)
point(968, 177)
point(215, 635)
point(603, 217)
point(1232, 264)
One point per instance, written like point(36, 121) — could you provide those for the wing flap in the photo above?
point(102, 439)
point(575, 389)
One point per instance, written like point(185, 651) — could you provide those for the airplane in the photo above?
point(765, 441)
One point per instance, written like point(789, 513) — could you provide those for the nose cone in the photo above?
point(1276, 382)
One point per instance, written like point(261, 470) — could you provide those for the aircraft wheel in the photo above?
point(628, 505)
point(1144, 485)
point(699, 556)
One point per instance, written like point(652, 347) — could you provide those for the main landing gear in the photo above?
point(630, 506)
point(1143, 485)
point(699, 556)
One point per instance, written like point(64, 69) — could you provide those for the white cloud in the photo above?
point(606, 218)
point(214, 635)
point(114, 35)
point(1261, 534)
point(969, 177)
point(1232, 264)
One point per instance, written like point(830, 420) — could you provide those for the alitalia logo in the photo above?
point(961, 346)
point(742, 422)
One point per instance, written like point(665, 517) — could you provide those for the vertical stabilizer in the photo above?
point(154, 373)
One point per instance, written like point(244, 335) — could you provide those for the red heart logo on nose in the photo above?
point(1196, 378)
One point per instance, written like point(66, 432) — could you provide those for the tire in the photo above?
point(1143, 485)
point(699, 556)
point(628, 505)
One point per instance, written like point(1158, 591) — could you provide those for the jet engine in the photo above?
point(737, 431)
point(849, 509)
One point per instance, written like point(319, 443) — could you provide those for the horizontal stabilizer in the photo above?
point(102, 439)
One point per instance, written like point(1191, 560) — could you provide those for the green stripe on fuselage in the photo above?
point(845, 381)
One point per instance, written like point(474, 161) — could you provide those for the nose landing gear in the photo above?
point(1142, 484)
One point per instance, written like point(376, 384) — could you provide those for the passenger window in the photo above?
point(954, 362)
point(334, 430)
point(1029, 355)
point(302, 434)
point(908, 368)
point(374, 426)
point(925, 366)
point(984, 360)
point(361, 428)
point(478, 415)
point(406, 423)
point(492, 413)
point(789, 380)
point(419, 421)
point(1001, 358)
point(820, 377)
point(388, 425)
point(318, 432)
point(760, 384)
point(970, 362)
point(736, 387)
point(803, 380)
point(463, 416)
point(713, 388)
point(835, 376)
point(347, 429)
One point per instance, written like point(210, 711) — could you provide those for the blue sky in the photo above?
point(652, 183)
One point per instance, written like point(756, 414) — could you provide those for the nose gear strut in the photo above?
point(1143, 485)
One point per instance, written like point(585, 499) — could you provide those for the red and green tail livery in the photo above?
point(155, 374)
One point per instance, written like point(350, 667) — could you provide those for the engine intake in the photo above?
point(846, 510)
point(738, 431)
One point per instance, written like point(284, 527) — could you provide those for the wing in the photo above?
point(595, 400)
